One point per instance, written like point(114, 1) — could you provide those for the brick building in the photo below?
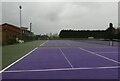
point(7, 31)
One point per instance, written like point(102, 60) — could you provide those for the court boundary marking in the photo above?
point(100, 55)
point(66, 58)
point(63, 69)
point(44, 43)
point(106, 52)
point(19, 59)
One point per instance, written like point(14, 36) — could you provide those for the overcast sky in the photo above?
point(51, 17)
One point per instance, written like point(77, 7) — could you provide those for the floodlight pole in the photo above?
point(20, 23)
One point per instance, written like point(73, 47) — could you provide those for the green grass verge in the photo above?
point(12, 53)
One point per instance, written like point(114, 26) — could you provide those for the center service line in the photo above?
point(66, 58)
point(100, 55)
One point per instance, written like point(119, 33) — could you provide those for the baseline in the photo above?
point(62, 69)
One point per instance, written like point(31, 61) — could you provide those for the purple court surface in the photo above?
point(67, 59)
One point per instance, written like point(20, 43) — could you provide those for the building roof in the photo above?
point(7, 26)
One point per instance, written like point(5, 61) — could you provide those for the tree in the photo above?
point(110, 32)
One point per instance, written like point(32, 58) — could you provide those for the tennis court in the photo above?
point(67, 59)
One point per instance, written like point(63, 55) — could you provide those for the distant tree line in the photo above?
point(81, 33)
point(109, 33)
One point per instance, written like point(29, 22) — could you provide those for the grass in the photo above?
point(11, 53)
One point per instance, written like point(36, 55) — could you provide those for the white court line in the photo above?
point(100, 55)
point(105, 52)
point(44, 43)
point(63, 69)
point(66, 58)
point(18, 60)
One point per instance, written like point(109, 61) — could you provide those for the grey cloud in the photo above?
point(50, 17)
